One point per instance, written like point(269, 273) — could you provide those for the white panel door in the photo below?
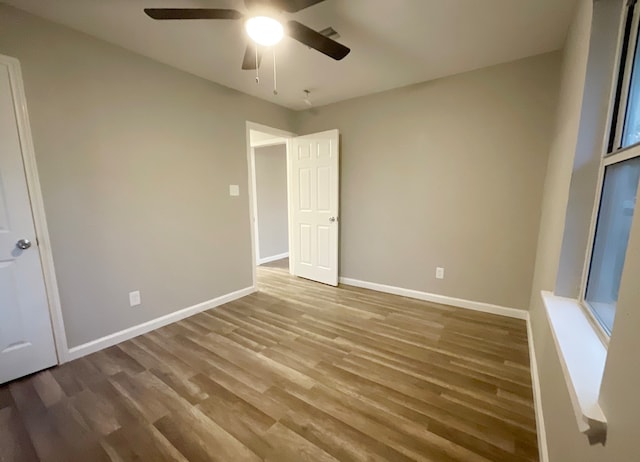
point(314, 170)
point(26, 335)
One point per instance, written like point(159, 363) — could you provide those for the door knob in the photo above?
point(23, 244)
point(332, 219)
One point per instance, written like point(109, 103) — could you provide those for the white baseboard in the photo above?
point(262, 261)
point(126, 334)
point(537, 396)
point(441, 299)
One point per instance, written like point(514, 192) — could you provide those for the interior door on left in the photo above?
point(26, 334)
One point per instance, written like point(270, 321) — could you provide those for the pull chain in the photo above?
point(257, 68)
point(275, 74)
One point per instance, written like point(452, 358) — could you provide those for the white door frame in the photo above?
point(253, 217)
point(37, 206)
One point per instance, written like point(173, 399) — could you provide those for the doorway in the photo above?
point(311, 178)
point(271, 222)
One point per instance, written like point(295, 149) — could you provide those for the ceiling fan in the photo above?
point(264, 26)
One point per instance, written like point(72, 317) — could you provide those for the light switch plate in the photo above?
point(134, 298)
point(234, 190)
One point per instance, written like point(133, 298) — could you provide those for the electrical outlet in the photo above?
point(234, 190)
point(439, 273)
point(134, 298)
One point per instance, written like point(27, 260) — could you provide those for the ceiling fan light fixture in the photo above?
point(264, 30)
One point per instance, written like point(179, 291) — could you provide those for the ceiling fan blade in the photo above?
point(293, 6)
point(192, 13)
point(249, 60)
point(316, 40)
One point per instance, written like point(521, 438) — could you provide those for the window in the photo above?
point(621, 174)
point(612, 236)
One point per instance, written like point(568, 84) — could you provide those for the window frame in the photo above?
point(630, 28)
point(613, 152)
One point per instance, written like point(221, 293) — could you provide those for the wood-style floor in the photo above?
point(296, 372)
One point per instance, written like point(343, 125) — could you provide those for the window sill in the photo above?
point(582, 356)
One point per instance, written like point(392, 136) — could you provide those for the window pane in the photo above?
point(612, 236)
point(631, 133)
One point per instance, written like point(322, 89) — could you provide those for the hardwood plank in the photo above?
point(331, 434)
point(292, 447)
point(5, 397)
point(38, 422)
point(48, 388)
point(14, 439)
point(139, 395)
point(144, 442)
point(76, 433)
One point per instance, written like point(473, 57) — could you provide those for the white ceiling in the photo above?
point(393, 42)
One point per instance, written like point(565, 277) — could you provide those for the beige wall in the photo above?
point(271, 194)
point(135, 160)
point(619, 396)
point(446, 173)
point(562, 152)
